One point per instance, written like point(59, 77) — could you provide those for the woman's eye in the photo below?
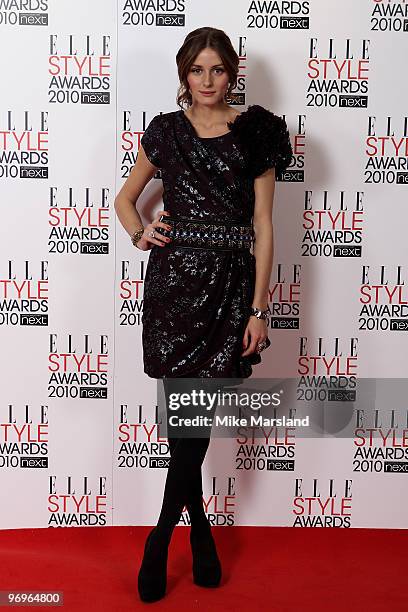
point(221, 70)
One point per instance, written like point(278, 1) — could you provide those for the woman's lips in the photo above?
point(207, 93)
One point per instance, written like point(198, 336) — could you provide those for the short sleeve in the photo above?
point(266, 139)
point(152, 141)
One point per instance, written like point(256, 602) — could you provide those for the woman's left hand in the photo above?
point(256, 332)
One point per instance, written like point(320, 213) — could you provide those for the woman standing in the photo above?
point(205, 294)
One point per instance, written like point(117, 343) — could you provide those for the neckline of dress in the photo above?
point(209, 137)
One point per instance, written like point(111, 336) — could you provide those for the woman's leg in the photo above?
point(206, 564)
point(194, 496)
point(183, 481)
point(183, 486)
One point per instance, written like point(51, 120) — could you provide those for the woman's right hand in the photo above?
point(146, 242)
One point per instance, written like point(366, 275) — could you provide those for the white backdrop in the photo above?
point(80, 83)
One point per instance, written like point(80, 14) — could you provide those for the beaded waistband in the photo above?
point(198, 233)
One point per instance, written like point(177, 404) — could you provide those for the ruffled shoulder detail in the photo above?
point(265, 137)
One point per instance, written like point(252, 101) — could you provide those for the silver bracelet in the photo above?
point(259, 314)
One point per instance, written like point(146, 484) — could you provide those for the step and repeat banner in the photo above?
point(79, 439)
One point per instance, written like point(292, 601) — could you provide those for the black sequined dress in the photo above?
point(195, 304)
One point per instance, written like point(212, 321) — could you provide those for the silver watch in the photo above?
point(259, 314)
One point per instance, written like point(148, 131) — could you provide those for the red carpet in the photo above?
point(266, 568)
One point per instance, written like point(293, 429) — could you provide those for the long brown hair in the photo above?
point(196, 41)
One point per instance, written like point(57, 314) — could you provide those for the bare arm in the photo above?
point(263, 228)
point(126, 202)
point(126, 199)
point(256, 330)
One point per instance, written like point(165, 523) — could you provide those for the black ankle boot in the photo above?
point(206, 564)
point(152, 578)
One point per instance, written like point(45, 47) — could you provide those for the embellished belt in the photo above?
point(201, 234)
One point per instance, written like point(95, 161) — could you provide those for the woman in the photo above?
point(205, 294)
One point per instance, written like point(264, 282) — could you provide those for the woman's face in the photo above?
point(208, 74)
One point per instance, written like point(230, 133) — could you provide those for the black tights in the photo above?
point(183, 488)
point(184, 485)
